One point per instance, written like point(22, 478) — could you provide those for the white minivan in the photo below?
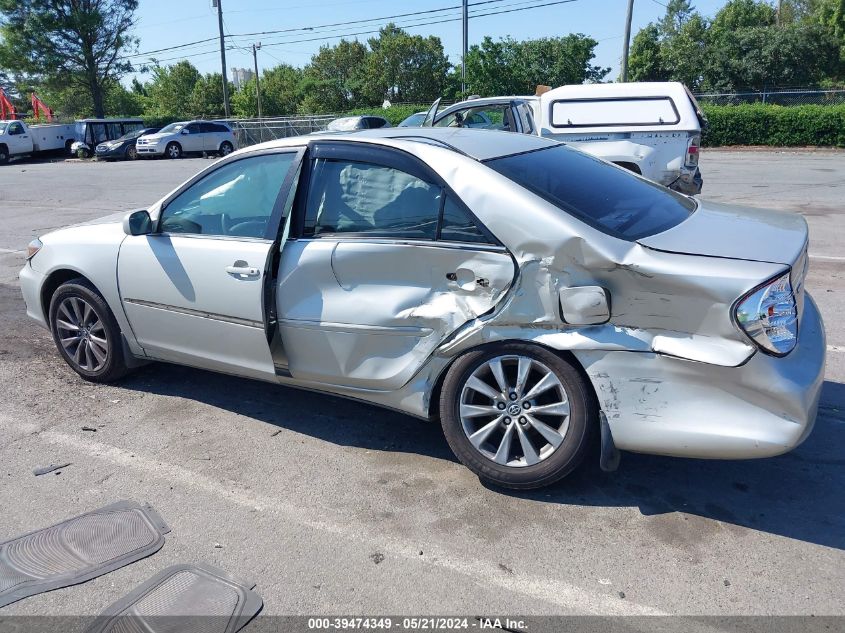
point(652, 128)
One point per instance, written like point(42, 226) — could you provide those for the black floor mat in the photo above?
point(183, 599)
point(78, 549)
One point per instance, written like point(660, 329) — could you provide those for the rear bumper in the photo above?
point(689, 182)
point(669, 406)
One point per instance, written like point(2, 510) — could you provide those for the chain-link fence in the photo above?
point(785, 97)
point(252, 131)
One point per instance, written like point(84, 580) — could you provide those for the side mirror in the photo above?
point(585, 305)
point(185, 131)
point(138, 223)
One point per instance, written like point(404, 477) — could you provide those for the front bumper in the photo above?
point(117, 152)
point(150, 150)
point(31, 283)
point(669, 406)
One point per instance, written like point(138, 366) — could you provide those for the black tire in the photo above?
point(131, 153)
point(4, 155)
point(226, 148)
point(86, 363)
point(558, 462)
point(173, 150)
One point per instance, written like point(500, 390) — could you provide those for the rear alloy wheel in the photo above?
point(517, 415)
point(86, 332)
point(173, 150)
point(131, 153)
point(226, 148)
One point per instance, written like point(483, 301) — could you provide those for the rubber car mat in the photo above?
point(78, 549)
point(184, 599)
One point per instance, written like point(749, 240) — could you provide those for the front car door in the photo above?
point(385, 263)
point(20, 140)
point(196, 290)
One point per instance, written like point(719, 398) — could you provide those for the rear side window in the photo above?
point(606, 197)
point(457, 226)
point(357, 197)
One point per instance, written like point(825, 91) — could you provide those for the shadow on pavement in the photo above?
point(799, 495)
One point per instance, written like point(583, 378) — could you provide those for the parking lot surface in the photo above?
point(335, 507)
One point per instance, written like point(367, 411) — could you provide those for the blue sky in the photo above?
point(165, 23)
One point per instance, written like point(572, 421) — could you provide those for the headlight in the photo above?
point(768, 315)
point(33, 247)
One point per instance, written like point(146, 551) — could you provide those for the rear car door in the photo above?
point(196, 290)
point(192, 138)
point(385, 264)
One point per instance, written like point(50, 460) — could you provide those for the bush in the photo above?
point(781, 126)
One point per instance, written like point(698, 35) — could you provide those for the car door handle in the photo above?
point(242, 271)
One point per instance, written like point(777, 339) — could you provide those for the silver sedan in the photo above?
point(530, 297)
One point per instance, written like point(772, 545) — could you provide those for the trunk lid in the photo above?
point(734, 232)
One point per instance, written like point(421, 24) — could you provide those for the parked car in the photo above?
point(123, 147)
point(17, 139)
point(454, 274)
point(653, 129)
point(415, 120)
point(188, 137)
point(353, 123)
point(91, 132)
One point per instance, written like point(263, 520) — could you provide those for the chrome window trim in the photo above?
point(345, 237)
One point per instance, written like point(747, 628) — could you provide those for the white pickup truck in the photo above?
point(19, 139)
point(652, 128)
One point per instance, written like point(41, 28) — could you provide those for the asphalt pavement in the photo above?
point(335, 507)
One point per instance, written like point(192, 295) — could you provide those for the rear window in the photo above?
point(614, 112)
point(605, 197)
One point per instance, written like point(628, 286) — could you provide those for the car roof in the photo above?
point(478, 144)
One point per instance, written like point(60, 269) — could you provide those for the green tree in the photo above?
point(207, 97)
point(281, 93)
point(404, 67)
point(335, 80)
point(68, 43)
point(171, 90)
point(644, 60)
point(508, 66)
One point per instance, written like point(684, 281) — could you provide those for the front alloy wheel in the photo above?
point(517, 415)
point(173, 151)
point(86, 332)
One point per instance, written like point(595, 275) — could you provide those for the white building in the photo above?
point(240, 76)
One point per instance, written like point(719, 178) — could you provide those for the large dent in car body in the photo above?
point(665, 303)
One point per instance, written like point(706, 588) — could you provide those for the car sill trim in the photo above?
point(197, 313)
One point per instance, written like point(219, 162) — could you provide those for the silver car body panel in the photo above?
point(377, 320)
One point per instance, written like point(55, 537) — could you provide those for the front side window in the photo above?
point(357, 197)
point(609, 198)
point(15, 128)
point(235, 200)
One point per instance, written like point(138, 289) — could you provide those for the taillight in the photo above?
point(692, 151)
point(769, 315)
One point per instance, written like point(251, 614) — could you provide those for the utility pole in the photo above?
point(219, 5)
point(465, 27)
point(255, 49)
point(627, 40)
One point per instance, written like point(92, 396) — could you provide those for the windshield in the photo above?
point(173, 127)
point(132, 134)
point(606, 197)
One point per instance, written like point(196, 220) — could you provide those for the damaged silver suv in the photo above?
point(528, 295)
